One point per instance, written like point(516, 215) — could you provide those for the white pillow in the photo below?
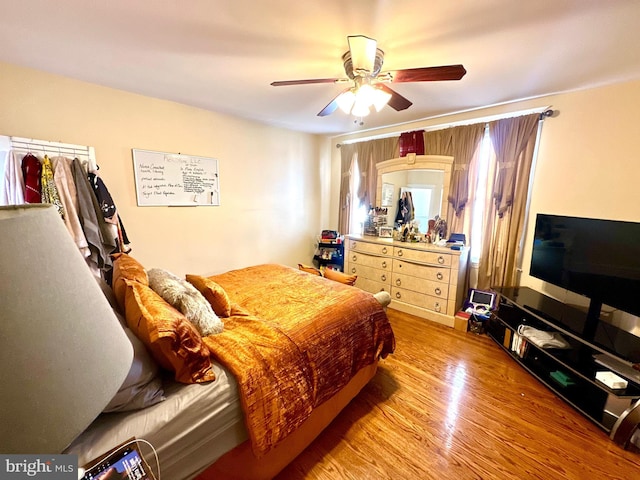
point(143, 386)
point(187, 299)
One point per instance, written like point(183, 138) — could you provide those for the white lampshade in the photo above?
point(63, 352)
point(345, 101)
point(358, 101)
point(380, 99)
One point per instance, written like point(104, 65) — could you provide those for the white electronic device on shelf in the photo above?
point(480, 302)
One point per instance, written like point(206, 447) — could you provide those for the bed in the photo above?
point(295, 349)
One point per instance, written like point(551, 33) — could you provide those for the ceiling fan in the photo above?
point(363, 64)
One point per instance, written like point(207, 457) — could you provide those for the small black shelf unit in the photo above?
point(599, 403)
point(330, 254)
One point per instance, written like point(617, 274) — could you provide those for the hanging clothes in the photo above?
point(13, 191)
point(107, 206)
point(109, 211)
point(411, 212)
point(32, 173)
point(49, 190)
point(63, 178)
point(405, 213)
point(93, 224)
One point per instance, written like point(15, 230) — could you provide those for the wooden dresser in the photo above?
point(422, 279)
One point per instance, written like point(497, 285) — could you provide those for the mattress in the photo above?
point(190, 430)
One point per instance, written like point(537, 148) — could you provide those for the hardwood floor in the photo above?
point(453, 405)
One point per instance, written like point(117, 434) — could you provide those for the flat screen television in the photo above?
point(599, 259)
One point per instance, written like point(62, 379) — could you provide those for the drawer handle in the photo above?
point(354, 258)
point(438, 291)
point(440, 259)
point(437, 307)
point(439, 276)
point(353, 270)
point(384, 249)
point(399, 253)
point(353, 244)
point(398, 295)
point(398, 282)
point(384, 264)
point(383, 278)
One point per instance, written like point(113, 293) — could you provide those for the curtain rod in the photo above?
point(548, 113)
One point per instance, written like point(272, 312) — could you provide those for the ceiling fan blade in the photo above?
point(397, 101)
point(331, 106)
point(307, 82)
point(429, 74)
point(363, 52)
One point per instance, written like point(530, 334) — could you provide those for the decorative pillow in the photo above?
point(186, 299)
point(340, 277)
point(126, 267)
point(172, 340)
point(142, 387)
point(309, 269)
point(214, 293)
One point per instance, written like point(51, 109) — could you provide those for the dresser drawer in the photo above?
point(437, 274)
point(432, 258)
point(418, 299)
point(357, 258)
point(373, 248)
point(371, 273)
point(372, 286)
point(420, 285)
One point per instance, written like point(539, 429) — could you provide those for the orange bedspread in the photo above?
point(299, 341)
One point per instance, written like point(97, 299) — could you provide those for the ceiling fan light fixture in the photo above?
point(380, 99)
point(346, 100)
point(360, 107)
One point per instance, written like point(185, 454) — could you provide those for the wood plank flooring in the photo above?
point(453, 405)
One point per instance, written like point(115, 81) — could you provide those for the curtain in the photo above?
point(510, 137)
point(438, 142)
point(369, 154)
point(347, 153)
point(513, 141)
point(465, 141)
point(463, 222)
point(462, 143)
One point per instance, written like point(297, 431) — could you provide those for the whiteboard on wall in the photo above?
point(174, 179)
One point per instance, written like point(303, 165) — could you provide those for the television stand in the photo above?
point(570, 372)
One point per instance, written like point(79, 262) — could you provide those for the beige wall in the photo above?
point(588, 162)
point(273, 181)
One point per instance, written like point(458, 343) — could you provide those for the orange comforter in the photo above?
point(294, 342)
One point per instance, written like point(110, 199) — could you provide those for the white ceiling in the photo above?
point(222, 55)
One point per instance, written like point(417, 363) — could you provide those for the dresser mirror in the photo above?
point(426, 177)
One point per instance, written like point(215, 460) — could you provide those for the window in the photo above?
point(358, 210)
point(479, 199)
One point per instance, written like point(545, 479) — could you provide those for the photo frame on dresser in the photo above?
point(385, 232)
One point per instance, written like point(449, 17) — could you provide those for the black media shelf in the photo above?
point(599, 403)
